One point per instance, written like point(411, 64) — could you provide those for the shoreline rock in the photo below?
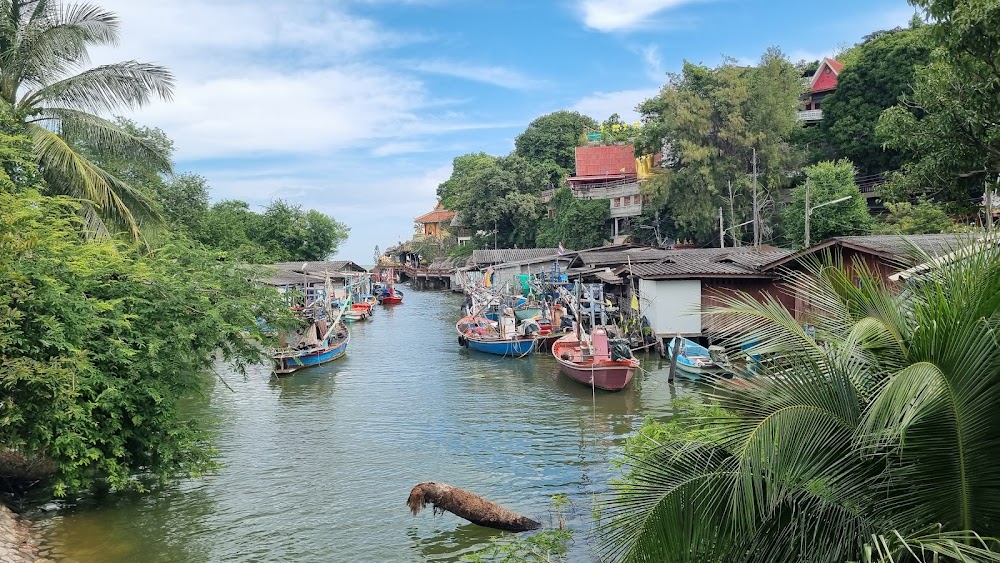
point(17, 541)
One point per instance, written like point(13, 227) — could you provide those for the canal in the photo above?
point(317, 466)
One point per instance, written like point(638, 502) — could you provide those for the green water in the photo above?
point(318, 466)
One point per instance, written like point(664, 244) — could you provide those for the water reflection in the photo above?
point(318, 465)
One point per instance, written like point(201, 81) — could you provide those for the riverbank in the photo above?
point(18, 543)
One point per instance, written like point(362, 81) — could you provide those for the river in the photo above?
point(317, 466)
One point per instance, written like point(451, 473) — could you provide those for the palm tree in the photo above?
point(43, 46)
point(873, 439)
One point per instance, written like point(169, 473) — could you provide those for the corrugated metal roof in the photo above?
point(708, 262)
point(332, 266)
point(897, 248)
point(500, 255)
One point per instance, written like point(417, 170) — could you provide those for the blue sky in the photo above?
point(357, 107)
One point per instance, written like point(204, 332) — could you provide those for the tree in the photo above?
point(828, 181)
point(949, 123)
point(41, 43)
point(879, 77)
point(101, 344)
point(906, 218)
point(869, 440)
point(553, 138)
point(497, 194)
point(18, 170)
point(183, 201)
point(709, 122)
point(578, 223)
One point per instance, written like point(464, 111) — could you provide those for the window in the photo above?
point(618, 202)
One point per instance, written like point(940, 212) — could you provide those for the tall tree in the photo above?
point(42, 43)
point(577, 224)
point(880, 75)
point(828, 181)
point(553, 138)
point(497, 194)
point(709, 122)
point(950, 123)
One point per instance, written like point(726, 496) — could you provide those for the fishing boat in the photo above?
point(385, 276)
point(595, 359)
point(323, 339)
point(694, 360)
point(493, 337)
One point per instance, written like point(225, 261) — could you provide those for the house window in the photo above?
point(552, 213)
point(618, 202)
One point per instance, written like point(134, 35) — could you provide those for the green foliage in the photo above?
point(614, 131)
point(283, 233)
point(907, 219)
point(880, 75)
point(949, 123)
point(41, 45)
point(183, 201)
point(711, 120)
point(497, 193)
point(578, 223)
point(553, 138)
point(100, 342)
point(828, 181)
point(870, 440)
point(18, 170)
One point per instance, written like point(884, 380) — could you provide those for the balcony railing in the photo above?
point(811, 115)
point(607, 190)
point(630, 210)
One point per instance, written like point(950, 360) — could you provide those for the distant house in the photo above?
point(822, 83)
point(433, 224)
point(612, 172)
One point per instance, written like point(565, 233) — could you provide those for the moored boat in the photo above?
point(492, 337)
point(694, 360)
point(317, 344)
point(596, 359)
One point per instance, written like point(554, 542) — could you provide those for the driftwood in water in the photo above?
point(464, 504)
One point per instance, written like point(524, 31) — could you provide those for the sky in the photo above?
point(357, 108)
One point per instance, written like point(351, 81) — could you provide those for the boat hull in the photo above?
point(287, 364)
point(530, 313)
point(694, 361)
point(391, 300)
point(519, 347)
point(602, 373)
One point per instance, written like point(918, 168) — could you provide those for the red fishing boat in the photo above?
point(596, 360)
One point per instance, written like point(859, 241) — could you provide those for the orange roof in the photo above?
point(437, 216)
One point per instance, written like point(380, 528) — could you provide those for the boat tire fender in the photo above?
point(462, 341)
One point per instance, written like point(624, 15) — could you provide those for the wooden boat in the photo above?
point(317, 344)
point(694, 360)
point(595, 359)
point(492, 337)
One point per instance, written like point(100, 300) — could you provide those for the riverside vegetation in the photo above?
point(874, 442)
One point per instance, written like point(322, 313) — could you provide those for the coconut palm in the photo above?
point(43, 47)
point(873, 439)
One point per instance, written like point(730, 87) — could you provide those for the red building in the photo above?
point(822, 83)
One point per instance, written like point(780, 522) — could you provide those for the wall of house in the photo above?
point(715, 291)
point(672, 306)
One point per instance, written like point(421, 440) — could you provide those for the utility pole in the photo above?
point(756, 218)
point(732, 216)
point(722, 230)
point(808, 212)
point(988, 200)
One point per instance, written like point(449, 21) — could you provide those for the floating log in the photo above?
point(470, 506)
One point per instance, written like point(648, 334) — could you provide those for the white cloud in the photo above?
point(622, 15)
point(495, 75)
point(600, 105)
point(654, 63)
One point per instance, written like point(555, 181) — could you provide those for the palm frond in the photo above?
point(106, 88)
point(107, 137)
point(70, 173)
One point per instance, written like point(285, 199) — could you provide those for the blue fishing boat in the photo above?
point(317, 344)
point(694, 360)
point(492, 337)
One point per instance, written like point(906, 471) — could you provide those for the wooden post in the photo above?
point(808, 212)
point(673, 358)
